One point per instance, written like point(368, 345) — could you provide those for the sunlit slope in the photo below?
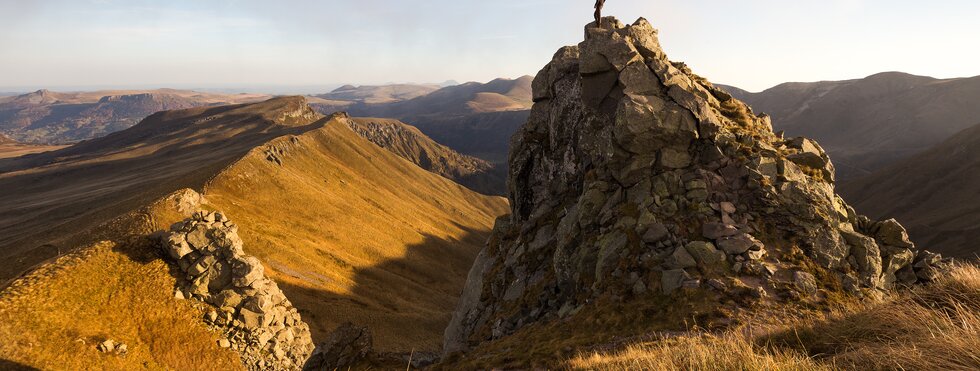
point(55, 318)
point(352, 232)
point(50, 202)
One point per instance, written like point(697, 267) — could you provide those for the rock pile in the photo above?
point(250, 310)
point(635, 177)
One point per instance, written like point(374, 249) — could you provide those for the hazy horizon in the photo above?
point(308, 47)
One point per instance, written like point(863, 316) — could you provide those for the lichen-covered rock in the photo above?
point(250, 310)
point(645, 176)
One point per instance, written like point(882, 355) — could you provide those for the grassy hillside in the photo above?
point(52, 201)
point(929, 328)
point(55, 317)
point(354, 233)
point(350, 231)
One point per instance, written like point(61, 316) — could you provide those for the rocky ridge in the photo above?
point(250, 311)
point(634, 178)
point(409, 143)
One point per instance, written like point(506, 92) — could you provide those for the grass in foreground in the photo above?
point(54, 318)
point(929, 328)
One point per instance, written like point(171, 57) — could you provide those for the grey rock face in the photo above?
point(250, 311)
point(345, 346)
point(639, 171)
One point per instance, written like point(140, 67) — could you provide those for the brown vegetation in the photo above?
point(935, 327)
point(55, 317)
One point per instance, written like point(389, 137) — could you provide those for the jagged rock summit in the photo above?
point(635, 179)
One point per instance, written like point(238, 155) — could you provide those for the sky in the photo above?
point(292, 44)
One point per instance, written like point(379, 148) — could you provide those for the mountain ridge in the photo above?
point(289, 178)
point(52, 117)
point(868, 123)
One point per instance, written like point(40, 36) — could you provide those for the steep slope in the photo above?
point(482, 135)
point(935, 193)
point(50, 117)
point(354, 233)
point(409, 143)
point(645, 201)
point(868, 123)
point(57, 316)
point(52, 200)
point(349, 231)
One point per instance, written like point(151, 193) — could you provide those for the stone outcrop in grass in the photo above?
point(250, 310)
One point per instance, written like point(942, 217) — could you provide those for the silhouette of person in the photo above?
point(598, 12)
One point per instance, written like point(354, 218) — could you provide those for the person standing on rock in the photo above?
point(598, 12)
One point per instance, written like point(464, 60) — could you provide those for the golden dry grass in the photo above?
point(935, 327)
point(54, 318)
point(352, 232)
point(706, 352)
point(349, 230)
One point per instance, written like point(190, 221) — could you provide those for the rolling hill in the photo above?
point(472, 97)
point(868, 123)
point(935, 193)
point(47, 117)
point(349, 231)
point(377, 94)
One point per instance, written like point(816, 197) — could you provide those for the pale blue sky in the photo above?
point(753, 44)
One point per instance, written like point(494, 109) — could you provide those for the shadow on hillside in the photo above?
point(39, 200)
point(405, 302)
point(14, 366)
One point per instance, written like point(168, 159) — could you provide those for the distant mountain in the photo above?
point(868, 123)
point(47, 117)
point(472, 118)
point(472, 97)
point(409, 143)
point(936, 194)
point(378, 94)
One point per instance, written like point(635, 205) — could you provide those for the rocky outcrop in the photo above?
point(634, 177)
point(249, 309)
point(409, 143)
point(345, 347)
